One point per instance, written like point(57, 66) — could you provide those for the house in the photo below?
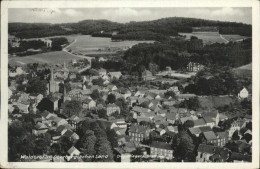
point(24, 107)
point(139, 110)
point(120, 131)
point(160, 131)
point(74, 121)
point(18, 71)
point(102, 72)
point(101, 59)
point(175, 89)
point(55, 103)
point(72, 136)
point(184, 119)
point(209, 137)
point(236, 126)
point(111, 108)
point(105, 124)
point(210, 153)
point(154, 103)
point(140, 119)
point(222, 138)
point(125, 92)
point(73, 151)
point(194, 131)
point(139, 133)
point(57, 121)
point(40, 128)
point(47, 115)
point(142, 100)
point(62, 129)
point(121, 123)
point(243, 94)
point(172, 129)
point(39, 98)
point(161, 150)
point(194, 67)
point(169, 102)
point(122, 154)
point(106, 82)
point(112, 87)
point(105, 77)
point(10, 93)
point(182, 97)
point(116, 75)
point(147, 75)
point(199, 123)
point(88, 104)
point(139, 93)
point(132, 100)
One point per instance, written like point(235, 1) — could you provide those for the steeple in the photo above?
point(64, 90)
point(52, 77)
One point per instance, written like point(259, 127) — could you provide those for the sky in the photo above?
point(123, 15)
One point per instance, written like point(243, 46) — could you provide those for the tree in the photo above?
point(112, 137)
point(67, 87)
point(183, 145)
point(36, 86)
point(154, 68)
point(45, 104)
point(111, 98)
point(170, 94)
point(103, 148)
point(188, 124)
point(20, 142)
point(145, 104)
point(87, 143)
point(72, 107)
point(42, 144)
point(65, 144)
point(102, 113)
point(121, 103)
point(95, 94)
point(98, 81)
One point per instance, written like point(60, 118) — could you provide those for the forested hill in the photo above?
point(145, 30)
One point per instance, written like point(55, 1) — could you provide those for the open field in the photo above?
point(234, 37)
point(49, 58)
point(86, 44)
point(207, 37)
point(244, 71)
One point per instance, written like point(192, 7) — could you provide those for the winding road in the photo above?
point(224, 39)
point(80, 56)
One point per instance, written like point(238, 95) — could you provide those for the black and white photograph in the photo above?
point(130, 84)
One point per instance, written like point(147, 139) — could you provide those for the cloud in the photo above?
point(227, 12)
point(125, 13)
point(72, 12)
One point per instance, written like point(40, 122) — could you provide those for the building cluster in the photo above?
point(154, 116)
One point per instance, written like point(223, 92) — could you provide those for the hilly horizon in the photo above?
point(169, 26)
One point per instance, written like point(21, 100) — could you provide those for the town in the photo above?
point(135, 106)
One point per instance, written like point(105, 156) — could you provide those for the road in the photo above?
point(80, 56)
point(225, 40)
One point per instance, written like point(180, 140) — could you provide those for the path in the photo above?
point(80, 56)
point(225, 40)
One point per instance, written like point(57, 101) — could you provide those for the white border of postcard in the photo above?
point(134, 3)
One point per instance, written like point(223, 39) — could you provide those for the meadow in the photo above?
point(234, 37)
point(86, 44)
point(207, 37)
point(49, 58)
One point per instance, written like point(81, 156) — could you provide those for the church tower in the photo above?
point(53, 86)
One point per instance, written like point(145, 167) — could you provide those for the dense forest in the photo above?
point(178, 53)
point(145, 30)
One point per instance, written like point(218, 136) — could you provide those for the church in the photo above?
point(52, 86)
